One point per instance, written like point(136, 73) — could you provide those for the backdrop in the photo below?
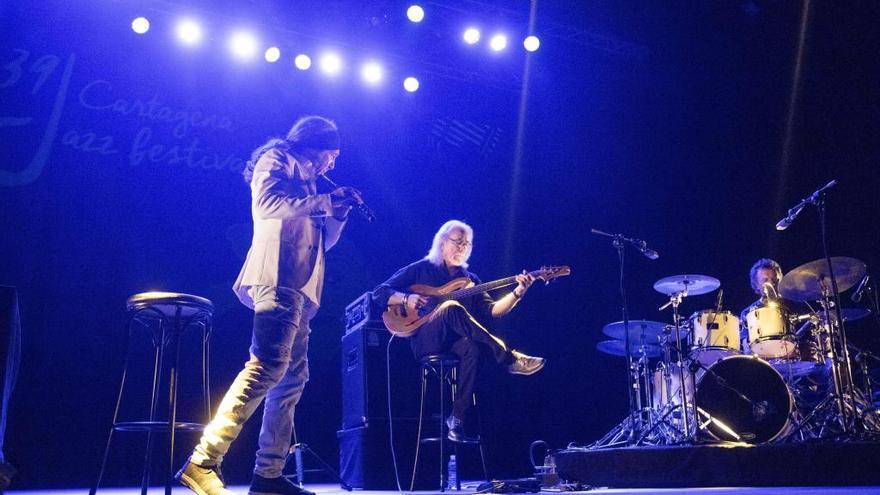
point(681, 125)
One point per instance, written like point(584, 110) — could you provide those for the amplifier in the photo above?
point(359, 312)
point(365, 378)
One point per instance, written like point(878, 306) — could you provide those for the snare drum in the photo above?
point(714, 335)
point(770, 334)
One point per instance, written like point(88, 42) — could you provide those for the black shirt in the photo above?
point(426, 273)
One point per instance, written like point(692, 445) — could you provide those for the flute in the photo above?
point(365, 210)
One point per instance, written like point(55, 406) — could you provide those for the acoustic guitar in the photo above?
point(403, 323)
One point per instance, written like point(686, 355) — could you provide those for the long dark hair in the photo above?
point(303, 130)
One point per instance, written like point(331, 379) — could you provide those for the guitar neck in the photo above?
point(479, 289)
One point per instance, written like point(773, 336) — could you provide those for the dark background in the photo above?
point(663, 122)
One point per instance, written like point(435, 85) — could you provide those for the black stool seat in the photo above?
point(444, 359)
point(168, 303)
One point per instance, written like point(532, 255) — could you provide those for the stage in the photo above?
point(335, 490)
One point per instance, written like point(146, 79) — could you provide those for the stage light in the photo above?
point(330, 63)
point(273, 53)
point(140, 25)
point(189, 32)
point(415, 13)
point(411, 84)
point(498, 42)
point(371, 72)
point(302, 61)
point(243, 45)
point(531, 43)
point(471, 35)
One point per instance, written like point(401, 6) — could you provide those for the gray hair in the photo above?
point(435, 255)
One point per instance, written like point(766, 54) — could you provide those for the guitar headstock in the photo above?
point(549, 273)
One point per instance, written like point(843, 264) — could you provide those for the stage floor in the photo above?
point(471, 488)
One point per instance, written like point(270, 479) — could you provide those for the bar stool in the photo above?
point(166, 315)
point(445, 368)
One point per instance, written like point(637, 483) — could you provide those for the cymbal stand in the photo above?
point(675, 301)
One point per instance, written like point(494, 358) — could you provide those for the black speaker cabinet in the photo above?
point(366, 463)
point(364, 377)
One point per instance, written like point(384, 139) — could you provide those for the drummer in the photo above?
point(764, 271)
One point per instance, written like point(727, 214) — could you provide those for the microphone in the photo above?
point(767, 289)
point(796, 209)
point(649, 253)
point(860, 291)
point(787, 221)
point(718, 300)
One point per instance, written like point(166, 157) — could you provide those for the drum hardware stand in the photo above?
point(671, 433)
point(871, 410)
point(633, 389)
point(644, 415)
point(675, 301)
point(841, 367)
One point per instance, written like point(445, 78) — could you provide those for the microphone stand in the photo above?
point(633, 388)
point(841, 367)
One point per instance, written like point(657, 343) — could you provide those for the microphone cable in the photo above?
point(390, 421)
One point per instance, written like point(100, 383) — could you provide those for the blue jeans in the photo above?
point(278, 370)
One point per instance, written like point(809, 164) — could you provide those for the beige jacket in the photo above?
point(291, 224)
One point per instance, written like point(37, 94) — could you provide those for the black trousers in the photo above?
point(453, 329)
point(10, 355)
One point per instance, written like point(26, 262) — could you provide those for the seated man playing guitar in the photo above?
point(452, 325)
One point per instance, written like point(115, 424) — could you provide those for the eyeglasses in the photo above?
point(460, 242)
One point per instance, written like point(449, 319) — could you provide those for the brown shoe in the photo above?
point(202, 480)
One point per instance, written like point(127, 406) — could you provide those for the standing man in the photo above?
point(454, 326)
point(281, 281)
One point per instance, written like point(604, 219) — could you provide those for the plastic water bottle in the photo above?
point(451, 473)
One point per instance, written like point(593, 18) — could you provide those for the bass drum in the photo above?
point(742, 398)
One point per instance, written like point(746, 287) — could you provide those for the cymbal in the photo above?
point(695, 284)
point(805, 283)
point(852, 314)
point(638, 329)
point(617, 348)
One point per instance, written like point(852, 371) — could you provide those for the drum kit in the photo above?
point(769, 375)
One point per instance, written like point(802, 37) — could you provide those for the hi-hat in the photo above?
point(617, 348)
point(695, 284)
point(639, 331)
point(809, 281)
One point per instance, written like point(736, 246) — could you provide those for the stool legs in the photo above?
point(412, 483)
point(166, 337)
point(442, 440)
point(94, 488)
point(447, 375)
point(158, 364)
point(172, 401)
